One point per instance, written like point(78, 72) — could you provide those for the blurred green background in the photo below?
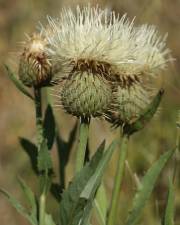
point(18, 17)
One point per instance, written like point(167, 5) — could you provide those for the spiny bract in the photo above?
point(35, 68)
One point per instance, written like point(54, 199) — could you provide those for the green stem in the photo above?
point(112, 217)
point(82, 144)
point(177, 152)
point(39, 127)
point(58, 143)
point(42, 208)
point(39, 123)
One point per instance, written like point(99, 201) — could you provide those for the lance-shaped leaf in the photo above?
point(140, 123)
point(45, 167)
point(49, 126)
point(32, 152)
point(169, 211)
point(49, 220)
point(44, 158)
point(17, 205)
point(30, 198)
point(18, 83)
point(77, 200)
point(94, 181)
point(146, 188)
point(101, 204)
point(64, 149)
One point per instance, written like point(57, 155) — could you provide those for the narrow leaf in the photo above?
point(64, 150)
point(49, 126)
point(18, 83)
point(44, 158)
point(169, 211)
point(146, 188)
point(56, 191)
point(101, 204)
point(72, 205)
point(30, 198)
point(15, 203)
point(31, 151)
point(49, 220)
point(77, 200)
point(95, 179)
point(65, 147)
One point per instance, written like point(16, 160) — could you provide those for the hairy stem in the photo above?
point(39, 128)
point(39, 123)
point(112, 217)
point(82, 144)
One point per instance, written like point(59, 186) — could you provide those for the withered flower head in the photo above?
point(35, 68)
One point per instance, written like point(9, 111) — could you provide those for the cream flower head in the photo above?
point(104, 61)
point(88, 46)
point(135, 87)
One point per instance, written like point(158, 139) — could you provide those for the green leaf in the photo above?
point(146, 188)
point(77, 200)
point(15, 203)
point(72, 206)
point(49, 220)
point(56, 191)
point(18, 83)
point(64, 149)
point(101, 204)
point(44, 158)
point(95, 179)
point(31, 151)
point(49, 126)
point(169, 211)
point(30, 198)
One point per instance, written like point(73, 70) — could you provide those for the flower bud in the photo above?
point(35, 67)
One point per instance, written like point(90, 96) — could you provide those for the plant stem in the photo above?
point(42, 208)
point(177, 152)
point(39, 127)
point(112, 217)
point(39, 123)
point(82, 144)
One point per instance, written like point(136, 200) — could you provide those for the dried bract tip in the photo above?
point(35, 68)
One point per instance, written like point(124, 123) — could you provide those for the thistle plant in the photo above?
point(104, 67)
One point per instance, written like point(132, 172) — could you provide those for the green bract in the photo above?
point(35, 68)
point(86, 94)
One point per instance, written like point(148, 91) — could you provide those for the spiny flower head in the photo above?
point(90, 45)
point(135, 79)
point(94, 47)
point(35, 68)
